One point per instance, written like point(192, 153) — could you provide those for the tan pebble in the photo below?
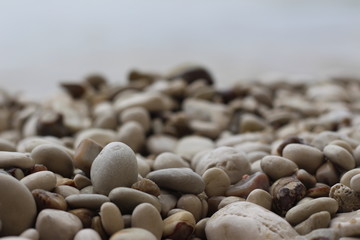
point(56, 224)
point(169, 160)
point(216, 182)
point(348, 199)
point(200, 228)
point(346, 177)
point(90, 201)
point(85, 154)
point(306, 178)
point(305, 157)
point(55, 158)
point(301, 212)
point(7, 145)
point(64, 181)
point(160, 143)
point(315, 221)
point(249, 147)
point(115, 166)
point(322, 233)
point(87, 190)
point(111, 218)
point(168, 201)
point(146, 216)
point(138, 114)
point(339, 156)
point(14, 238)
point(99, 135)
point(228, 200)
point(277, 167)
point(324, 138)
point(355, 183)
point(132, 134)
point(327, 173)
point(192, 204)
point(45, 180)
point(65, 190)
point(31, 234)
point(347, 224)
point(45, 199)
point(98, 227)
point(249, 183)
point(179, 225)
point(251, 123)
point(87, 234)
point(343, 144)
point(127, 199)
point(85, 215)
point(107, 120)
point(188, 146)
point(81, 181)
point(133, 233)
point(147, 186)
point(16, 172)
point(143, 166)
point(15, 198)
point(16, 159)
point(261, 198)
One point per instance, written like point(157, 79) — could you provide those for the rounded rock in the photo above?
point(16, 203)
point(111, 218)
point(85, 154)
point(146, 216)
point(16, 159)
point(133, 233)
point(192, 204)
point(87, 234)
point(31, 234)
point(355, 183)
point(132, 134)
point(45, 180)
point(57, 225)
point(65, 190)
point(261, 198)
point(346, 178)
point(339, 156)
point(179, 225)
point(90, 201)
point(216, 182)
point(248, 183)
point(315, 221)
point(115, 166)
point(138, 114)
point(169, 160)
point(277, 167)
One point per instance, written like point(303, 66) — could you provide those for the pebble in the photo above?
point(188, 146)
point(200, 228)
point(306, 178)
point(85, 154)
point(147, 186)
point(228, 200)
point(347, 224)
point(100, 136)
point(305, 157)
point(132, 134)
point(355, 183)
point(319, 190)
point(315, 221)
point(87, 234)
point(178, 226)
point(160, 143)
point(348, 199)
point(192, 204)
point(178, 179)
point(327, 173)
point(31, 234)
point(346, 177)
point(45, 199)
point(65, 190)
point(169, 160)
point(339, 156)
point(98, 227)
point(242, 189)
point(233, 162)
point(111, 218)
point(90, 201)
point(138, 114)
point(133, 233)
point(301, 212)
point(168, 201)
point(54, 158)
point(16, 159)
point(245, 220)
point(127, 199)
point(146, 216)
point(261, 198)
point(277, 167)
point(57, 224)
point(7, 145)
point(216, 182)
point(85, 215)
point(45, 180)
point(115, 166)
point(81, 181)
point(15, 199)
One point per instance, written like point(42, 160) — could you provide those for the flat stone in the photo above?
point(178, 179)
point(15, 159)
point(245, 220)
point(45, 180)
point(146, 216)
point(111, 218)
point(18, 208)
point(90, 201)
point(115, 166)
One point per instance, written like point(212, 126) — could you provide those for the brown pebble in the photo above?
point(85, 215)
point(179, 226)
point(249, 183)
point(319, 190)
point(45, 199)
point(327, 174)
point(147, 186)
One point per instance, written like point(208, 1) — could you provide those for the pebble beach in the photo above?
point(172, 156)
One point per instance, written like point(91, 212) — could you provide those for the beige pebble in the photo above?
point(216, 181)
point(339, 156)
point(169, 160)
point(54, 158)
point(81, 181)
point(322, 233)
point(85, 215)
point(228, 200)
point(133, 233)
point(346, 177)
point(115, 166)
point(111, 218)
point(277, 167)
point(261, 198)
point(315, 221)
point(178, 179)
point(56, 224)
point(200, 228)
point(16, 159)
point(146, 216)
point(233, 162)
point(305, 157)
point(188, 146)
point(45, 199)
point(99, 135)
point(324, 138)
point(31, 234)
point(179, 225)
point(168, 201)
point(327, 173)
point(90, 201)
point(343, 144)
point(159, 143)
point(127, 199)
point(87, 234)
point(251, 123)
point(138, 114)
point(245, 220)
point(65, 190)
point(7, 145)
point(248, 183)
point(347, 224)
point(45, 180)
point(255, 156)
point(192, 204)
point(15, 198)
point(85, 154)
point(348, 199)
point(355, 183)
point(147, 186)
point(301, 212)
point(132, 134)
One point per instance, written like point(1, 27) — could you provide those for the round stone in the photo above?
point(216, 182)
point(17, 206)
point(111, 218)
point(339, 156)
point(146, 216)
point(115, 166)
point(87, 234)
point(133, 233)
point(90, 201)
point(45, 180)
point(277, 167)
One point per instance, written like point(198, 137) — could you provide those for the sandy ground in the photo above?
point(44, 42)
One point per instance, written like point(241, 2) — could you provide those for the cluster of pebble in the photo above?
point(173, 157)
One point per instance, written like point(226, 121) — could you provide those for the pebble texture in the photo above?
point(115, 166)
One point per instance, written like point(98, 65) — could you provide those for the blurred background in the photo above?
point(43, 42)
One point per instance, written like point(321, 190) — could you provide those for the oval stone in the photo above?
point(87, 234)
point(15, 159)
point(45, 180)
point(277, 167)
point(339, 156)
point(90, 201)
point(17, 206)
point(111, 218)
point(178, 179)
point(115, 166)
point(146, 216)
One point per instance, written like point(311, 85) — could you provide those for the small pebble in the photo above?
point(179, 225)
point(45, 180)
point(133, 233)
point(216, 182)
point(146, 216)
point(261, 198)
point(87, 234)
point(45, 199)
point(111, 218)
point(339, 156)
point(90, 201)
point(277, 167)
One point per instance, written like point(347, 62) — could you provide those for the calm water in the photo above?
point(43, 42)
